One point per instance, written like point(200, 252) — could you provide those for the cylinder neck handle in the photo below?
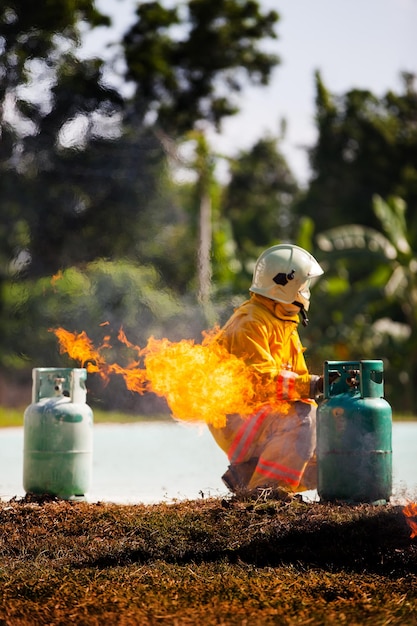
point(52, 382)
point(365, 377)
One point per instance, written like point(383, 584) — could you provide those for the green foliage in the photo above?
point(370, 293)
point(84, 178)
point(355, 241)
point(116, 294)
point(183, 60)
point(100, 299)
point(364, 176)
point(13, 417)
point(366, 146)
point(82, 167)
point(258, 201)
point(27, 35)
point(45, 93)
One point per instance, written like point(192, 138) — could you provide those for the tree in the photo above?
point(366, 148)
point(377, 309)
point(187, 62)
point(98, 202)
point(34, 48)
point(81, 165)
point(258, 202)
point(366, 145)
point(86, 160)
point(100, 298)
point(45, 93)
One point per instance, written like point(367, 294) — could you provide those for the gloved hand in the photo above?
point(333, 376)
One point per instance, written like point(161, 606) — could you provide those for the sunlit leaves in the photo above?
point(366, 145)
point(355, 239)
point(188, 61)
point(391, 214)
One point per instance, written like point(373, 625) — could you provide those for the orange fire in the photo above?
point(410, 511)
point(200, 382)
point(80, 348)
point(56, 277)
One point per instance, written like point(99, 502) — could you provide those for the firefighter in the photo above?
point(274, 448)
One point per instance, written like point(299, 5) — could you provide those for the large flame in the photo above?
point(410, 511)
point(200, 382)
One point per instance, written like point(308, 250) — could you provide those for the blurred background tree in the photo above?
point(258, 202)
point(46, 94)
point(109, 195)
point(365, 146)
point(84, 168)
point(364, 175)
point(188, 62)
point(374, 310)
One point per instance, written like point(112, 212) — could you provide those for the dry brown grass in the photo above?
point(224, 562)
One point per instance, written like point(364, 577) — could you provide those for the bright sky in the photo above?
point(363, 44)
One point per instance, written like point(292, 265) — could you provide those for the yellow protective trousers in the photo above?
point(278, 448)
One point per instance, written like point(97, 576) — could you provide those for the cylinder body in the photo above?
point(354, 434)
point(58, 434)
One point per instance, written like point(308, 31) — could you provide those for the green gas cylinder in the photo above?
point(354, 434)
point(58, 434)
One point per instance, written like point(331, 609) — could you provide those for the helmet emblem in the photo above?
point(282, 279)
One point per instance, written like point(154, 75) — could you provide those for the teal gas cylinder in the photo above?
point(354, 434)
point(58, 434)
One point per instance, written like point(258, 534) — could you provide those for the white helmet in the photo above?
point(283, 273)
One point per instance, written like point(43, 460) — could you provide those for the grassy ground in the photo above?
point(211, 562)
point(14, 417)
point(224, 562)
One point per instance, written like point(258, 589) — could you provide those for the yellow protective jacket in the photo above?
point(266, 337)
